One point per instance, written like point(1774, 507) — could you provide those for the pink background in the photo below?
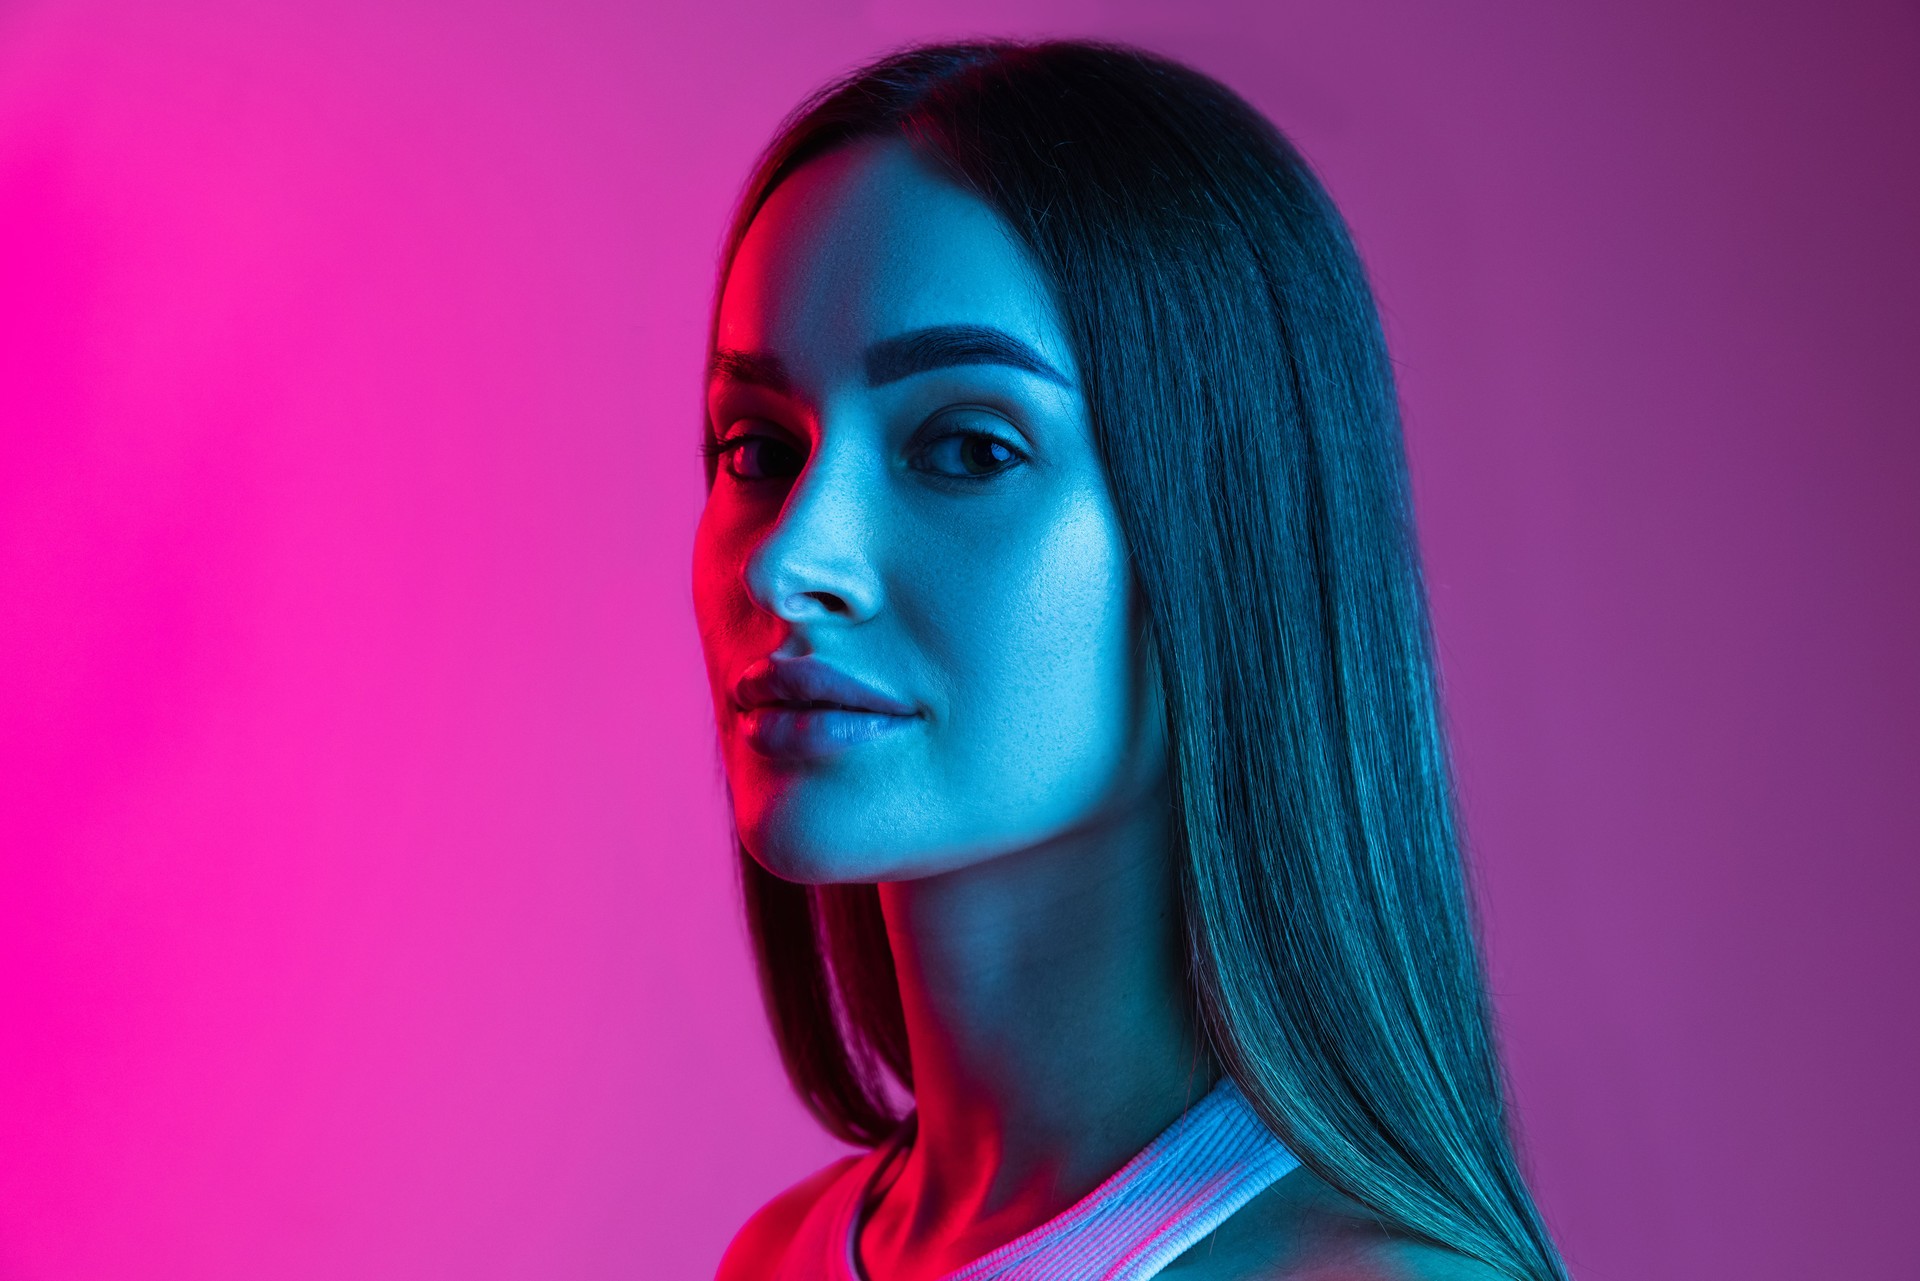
point(365, 909)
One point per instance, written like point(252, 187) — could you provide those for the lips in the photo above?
point(807, 684)
point(801, 709)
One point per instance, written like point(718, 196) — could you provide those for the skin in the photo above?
point(949, 537)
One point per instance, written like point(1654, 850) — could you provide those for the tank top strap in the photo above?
point(1212, 1160)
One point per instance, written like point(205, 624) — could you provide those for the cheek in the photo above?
point(707, 570)
point(1064, 616)
point(1038, 651)
point(719, 549)
point(720, 601)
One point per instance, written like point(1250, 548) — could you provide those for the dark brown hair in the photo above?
point(1243, 404)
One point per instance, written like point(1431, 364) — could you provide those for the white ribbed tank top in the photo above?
point(1211, 1161)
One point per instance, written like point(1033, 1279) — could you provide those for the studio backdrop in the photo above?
point(366, 901)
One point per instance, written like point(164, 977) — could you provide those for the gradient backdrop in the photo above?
point(365, 907)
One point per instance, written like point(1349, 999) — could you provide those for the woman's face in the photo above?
point(909, 499)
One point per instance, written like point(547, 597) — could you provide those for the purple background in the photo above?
point(365, 909)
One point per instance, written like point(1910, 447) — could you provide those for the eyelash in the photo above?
point(719, 449)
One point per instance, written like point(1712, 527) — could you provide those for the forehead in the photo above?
point(869, 242)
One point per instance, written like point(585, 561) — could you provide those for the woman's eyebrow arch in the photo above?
point(762, 369)
point(944, 346)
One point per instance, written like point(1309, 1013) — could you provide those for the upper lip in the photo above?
point(808, 682)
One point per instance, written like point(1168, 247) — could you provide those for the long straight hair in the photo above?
point(1243, 404)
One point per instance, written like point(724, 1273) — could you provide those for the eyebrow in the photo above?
point(944, 346)
point(762, 369)
point(918, 351)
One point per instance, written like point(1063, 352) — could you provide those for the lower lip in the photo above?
point(787, 733)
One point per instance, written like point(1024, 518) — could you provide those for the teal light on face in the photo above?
point(908, 496)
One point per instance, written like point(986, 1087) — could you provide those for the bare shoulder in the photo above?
point(761, 1241)
point(1301, 1229)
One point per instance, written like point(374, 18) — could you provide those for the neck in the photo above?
point(1051, 1034)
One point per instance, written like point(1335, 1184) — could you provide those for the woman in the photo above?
point(1064, 619)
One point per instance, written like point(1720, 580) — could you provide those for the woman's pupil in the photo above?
point(985, 452)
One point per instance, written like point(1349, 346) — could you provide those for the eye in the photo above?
point(964, 453)
point(753, 455)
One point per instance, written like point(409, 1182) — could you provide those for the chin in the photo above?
point(824, 840)
point(796, 843)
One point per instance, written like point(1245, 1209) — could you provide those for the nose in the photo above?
point(814, 564)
